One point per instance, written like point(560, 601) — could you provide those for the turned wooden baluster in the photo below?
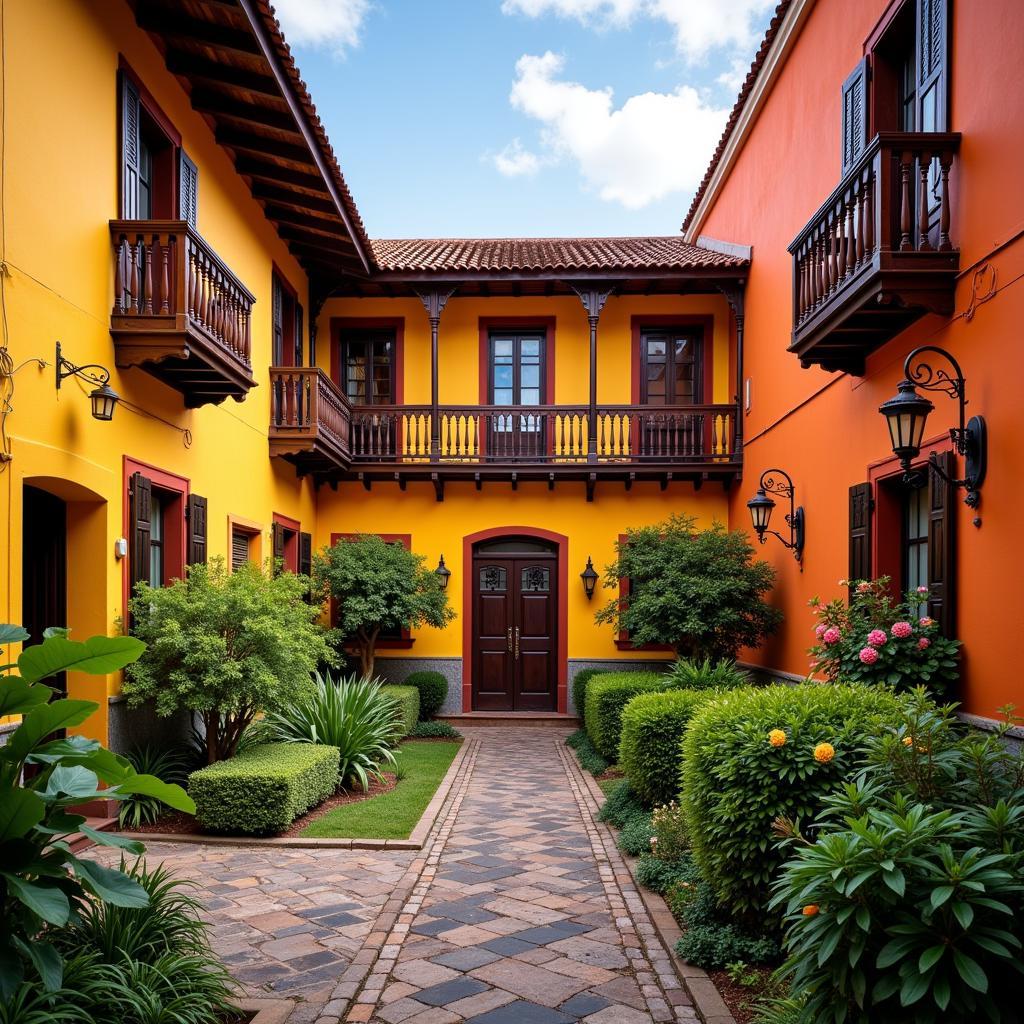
point(860, 221)
point(841, 244)
point(905, 243)
point(119, 262)
point(869, 214)
point(945, 162)
point(924, 244)
point(134, 304)
point(851, 238)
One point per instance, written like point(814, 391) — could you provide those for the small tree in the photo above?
point(225, 645)
point(379, 586)
point(699, 591)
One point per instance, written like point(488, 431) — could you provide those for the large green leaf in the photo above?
point(46, 718)
point(110, 767)
point(97, 656)
point(17, 696)
point(62, 750)
point(12, 634)
point(150, 785)
point(47, 901)
point(12, 971)
point(71, 781)
point(113, 839)
point(110, 885)
point(47, 960)
point(20, 810)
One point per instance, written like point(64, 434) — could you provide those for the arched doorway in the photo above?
point(515, 621)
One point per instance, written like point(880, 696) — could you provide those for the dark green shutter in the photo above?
point(196, 522)
point(239, 549)
point(188, 189)
point(855, 115)
point(932, 69)
point(861, 505)
point(277, 532)
point(130, 145)
point(140, 517)
point(942, 545)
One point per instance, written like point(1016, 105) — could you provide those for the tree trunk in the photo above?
point(211, 721)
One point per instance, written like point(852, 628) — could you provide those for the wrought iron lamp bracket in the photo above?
point(91, 372)
point(779, 483)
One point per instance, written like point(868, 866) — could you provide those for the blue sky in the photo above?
point(523, 117)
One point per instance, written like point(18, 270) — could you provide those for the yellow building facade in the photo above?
point(173, 217)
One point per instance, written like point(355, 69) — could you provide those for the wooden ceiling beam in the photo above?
point(239, 139)
point(274, 173)
point(289, 199)
point(175, 25)
point(325, 224)
point(219, 104)
point(193, 67)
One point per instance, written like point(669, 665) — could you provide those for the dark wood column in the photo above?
point(593, 296)
point(734, 292)
point(434, 300)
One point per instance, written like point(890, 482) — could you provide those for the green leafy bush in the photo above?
point(649, 747)
point(699, 591)
point(635, 836)
point(690, 674)
point(579, 688)
point(671, 838)
point(357, 716)
point(620, 805)
point(433, 689)
point(226, 645)
point(658, 875)
point(264, 790)
point(606, 697)
point(170, 765)
point(590, 760)
point(43, 884)
point(877, 640)
point(751, 756)
point(435, 730)
point(408, 700)
point(909, 905)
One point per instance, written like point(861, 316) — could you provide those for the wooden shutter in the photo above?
point(305, 553)
point(861, 505)
point(277, 313)
point(855, 115)
point(239, 549)
point(140, 517)
point(932, 58)
point(298, 335)
point(942, 546)
point(277, 532)
point(188, 189)
point(195, 514)
point(130, 144)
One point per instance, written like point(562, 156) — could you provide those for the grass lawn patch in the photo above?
point(392, 815)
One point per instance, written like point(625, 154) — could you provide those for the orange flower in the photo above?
point(777, 738)
point(811, 909)
point(824, 752)
point(908, 741)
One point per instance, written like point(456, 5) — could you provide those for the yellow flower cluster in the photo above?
point(824, 752)
point(777, 738)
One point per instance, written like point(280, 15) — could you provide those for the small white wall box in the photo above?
point(120, 548)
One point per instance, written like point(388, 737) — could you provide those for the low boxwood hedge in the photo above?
point(579, 688)
point(606, 696)
point(263, 790)
point(408, 698)
point(753, 755)
point(433, 689)
point(649, 746)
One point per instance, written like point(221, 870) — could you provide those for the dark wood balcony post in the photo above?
point(593, 297)
point(734, 293)
point(434, 302)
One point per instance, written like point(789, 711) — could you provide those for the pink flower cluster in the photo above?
point(831, 636)
point(819, 630)
point(868, 655)
point(877, 638)
point(923, 644)
point(901, 630)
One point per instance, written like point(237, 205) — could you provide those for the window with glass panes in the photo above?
point(670, 366)
point(516, 377)
point(368, 367)
point(156, 542)
point(915, 540)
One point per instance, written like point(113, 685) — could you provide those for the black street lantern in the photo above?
point(443, 573)
point(907, 414)
point(761, 507)
point(103, 398)
point(589, 577)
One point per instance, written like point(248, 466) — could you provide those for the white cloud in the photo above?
point(325, 24)
point(653, 145)
point(699, 26)
point(736, 75)
point(514, 161)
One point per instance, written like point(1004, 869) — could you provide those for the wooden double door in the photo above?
point(515, 647)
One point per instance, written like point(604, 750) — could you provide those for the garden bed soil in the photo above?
point(610, 774)
point(178, 823)
point(742, 1000)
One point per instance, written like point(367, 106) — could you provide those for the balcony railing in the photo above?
point(310, 419)
point(179, 312)
point(878, 254)
point(545, 435)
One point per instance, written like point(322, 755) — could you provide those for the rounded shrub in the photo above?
point(579, 687)
point(606, 697)
point(652, 730)
point(433, 689)
point(753, 755)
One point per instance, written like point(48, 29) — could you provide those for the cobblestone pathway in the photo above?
point(519, 910)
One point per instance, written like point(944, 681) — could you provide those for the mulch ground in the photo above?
point(742, 999)
point(177, 823)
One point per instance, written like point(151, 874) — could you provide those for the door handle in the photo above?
point(517, 643)
point(509, 639)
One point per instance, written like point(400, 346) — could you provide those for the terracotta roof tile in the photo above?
point(741, 102)
point(544, 254)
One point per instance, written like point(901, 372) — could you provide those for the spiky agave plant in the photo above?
point(352, 714)
point(167, 764)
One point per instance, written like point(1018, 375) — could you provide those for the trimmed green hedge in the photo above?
point(579, 687)
point(606, 697)
point(433, 689)
point(263, 790)
point(408, 698)
point(736, 781)
point(652, 729)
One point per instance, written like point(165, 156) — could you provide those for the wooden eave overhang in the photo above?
point(232, 60)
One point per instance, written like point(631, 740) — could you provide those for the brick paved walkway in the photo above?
point(519, 910)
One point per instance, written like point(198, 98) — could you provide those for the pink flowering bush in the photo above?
point(876, 639)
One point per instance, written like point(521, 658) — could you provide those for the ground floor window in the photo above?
point(915, 538)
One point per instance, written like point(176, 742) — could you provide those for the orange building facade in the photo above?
point(870, 164)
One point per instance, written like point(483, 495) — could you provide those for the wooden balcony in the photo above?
point(877, 255)
point(310, 420)
point(179, 313)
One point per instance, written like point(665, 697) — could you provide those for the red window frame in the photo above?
point(291, 540)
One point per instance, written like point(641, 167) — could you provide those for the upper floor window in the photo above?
point(287, 324)
point(517, 372)
point(671, 366)
point(368, 366)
